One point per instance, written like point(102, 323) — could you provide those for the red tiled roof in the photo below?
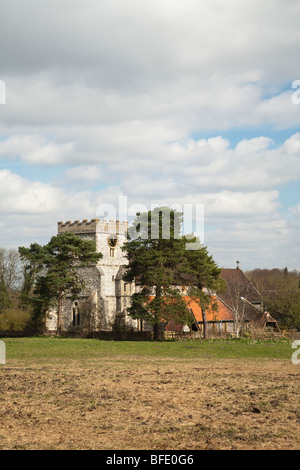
point(223, 313)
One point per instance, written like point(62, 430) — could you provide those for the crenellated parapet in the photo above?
point(93, 226)
point(84, 226)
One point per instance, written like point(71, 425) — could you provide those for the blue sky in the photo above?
point(168, 102)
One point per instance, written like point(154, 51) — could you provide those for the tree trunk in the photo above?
point(156, 332)
point(59, 315)
point(204, 318)
point(236, 325)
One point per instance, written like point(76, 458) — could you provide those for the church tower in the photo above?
point(105, 296)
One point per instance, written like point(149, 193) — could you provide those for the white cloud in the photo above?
point(34, 149)
point(83, 174)
point(238, 204)
point(20, 196)
point(296, 210)
point(158, 39)
point(246, 225)
point(110, 93)
point(199, 165)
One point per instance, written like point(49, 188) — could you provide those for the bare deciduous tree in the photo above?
point(10, 276)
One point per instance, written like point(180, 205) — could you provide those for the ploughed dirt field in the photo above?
point(139, 403)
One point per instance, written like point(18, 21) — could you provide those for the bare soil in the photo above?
point(156, 404)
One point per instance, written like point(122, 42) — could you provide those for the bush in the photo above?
point(14, 319)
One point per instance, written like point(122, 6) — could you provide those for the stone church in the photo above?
point(102, 304)
point(105, 297)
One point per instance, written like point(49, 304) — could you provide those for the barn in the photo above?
point(241, 304)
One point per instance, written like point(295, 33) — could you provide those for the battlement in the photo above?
point(93, 226)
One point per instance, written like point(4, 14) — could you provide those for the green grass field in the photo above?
point(41, 349)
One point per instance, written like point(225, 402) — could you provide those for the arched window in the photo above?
point(75, 314)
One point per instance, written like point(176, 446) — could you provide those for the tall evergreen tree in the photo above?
point(160, 264)
point(58, 264)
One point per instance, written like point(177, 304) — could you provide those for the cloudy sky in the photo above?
point(161, 101)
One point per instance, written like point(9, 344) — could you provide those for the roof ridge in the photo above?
point(248, 280)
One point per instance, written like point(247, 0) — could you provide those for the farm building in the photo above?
point(240, 304)
point(244, 299)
